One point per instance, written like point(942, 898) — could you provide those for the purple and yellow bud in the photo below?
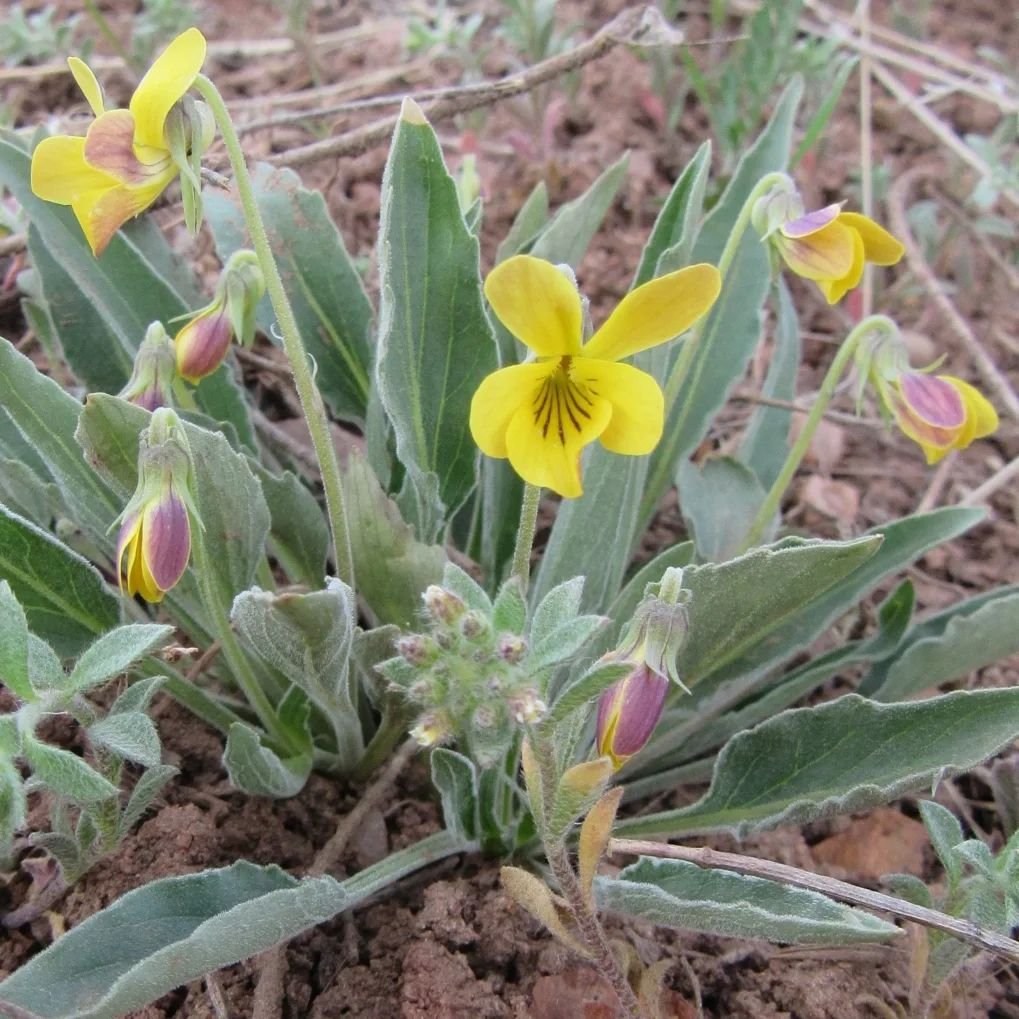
point(628, 712)
point(203, 343)
point(442, 605)
point(828, 246)
point(152, 378)
point(940, 412)
point(154, 544)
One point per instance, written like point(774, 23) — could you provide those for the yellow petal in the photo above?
point(655, 312)
point(544, 439)
point(499, 397)
point(164, 84)
point(88, 84)
point(638, 407)
point(110, 148)
point(879, 246)
point(60, 173)
point(537, 304)
point(826, 254)
point(102, 214)
point(981, 417)
point(835, 289)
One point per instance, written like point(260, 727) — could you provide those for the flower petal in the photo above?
point(935, 442)
point(537, 304)
point(499, 397)
point(545, 438)
point(655, 312)
point(164, 84)
point(166, 542)
point(933, 399)
point(981, 417)
point(88, 84)
point(127, 544)
point(102, 214)
point(879, 246)
point(60, 173)
point(638, 407)
point(110, 148)
point(835, 289)
point(811, 222)
point(826, 254)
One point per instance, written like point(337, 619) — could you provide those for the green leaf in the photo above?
point(137, 696)
point(13, 808)
point(765, 443)
point(527, 224)
point(456, 779)
point(587, 688)
point(46, 417)
point(562, 643)
point(735, 606)
point(172, 931)
point(332, 310)
point(62, 594)
point(258, 770)
point(308, 638)
point(569, 233)
point(556, 608)
point(44, 669)
point(676, 893)
point(130, 735)
point(391, 566)
point(14, 671)
point(66, 773)
point(843, 756)
point(969, 640)
point(435, 344)
point(115, 652)
point(297, 529)
point(669, 244)
point(466, 588)
point(719, 499)
point(28, 493)
point(729, 335)
point(509, 614)
point(945, 833)
point(149, 785)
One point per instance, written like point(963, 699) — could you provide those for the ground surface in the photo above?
point(449, 943)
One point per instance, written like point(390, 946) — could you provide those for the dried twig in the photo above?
point(982, 495)
point(898, 199)
point(627, 27)
point(216, 999)
point(964, 930)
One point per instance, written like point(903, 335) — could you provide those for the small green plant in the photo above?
point(35, 38)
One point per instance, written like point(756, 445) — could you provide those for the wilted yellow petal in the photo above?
point(544, 444)
point(499, 397)
point(537, 304)
point(102, 215)
point(655, 312)
point(165, 83)
point(60, 173)
point(879, 246)
point(638, 407)
point(88, 84)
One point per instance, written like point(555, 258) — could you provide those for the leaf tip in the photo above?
point(411, 113)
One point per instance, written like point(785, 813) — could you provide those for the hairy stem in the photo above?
point(525, 534)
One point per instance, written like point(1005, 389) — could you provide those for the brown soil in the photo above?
point(449, 942)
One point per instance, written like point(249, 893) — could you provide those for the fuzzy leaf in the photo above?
point(130, 735)
point(509, 614)
point(297, 527)
point(843, 756)
point(66, 773)
point(115, 652)
point(456, 779)
point(14, 672)
point(676, 893)
point(149, 785)
point(257, 770)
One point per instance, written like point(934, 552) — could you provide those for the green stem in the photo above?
point(109, 35)
point(831, 380)
point(240, 668)
point(658, 480)
point(307, 392)
point(525, 534)
point(391, 730)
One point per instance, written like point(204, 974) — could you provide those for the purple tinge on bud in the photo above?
point(153, 547)
point(811, 222)
point(932, 399)
point(628, 713)
point(203, 344)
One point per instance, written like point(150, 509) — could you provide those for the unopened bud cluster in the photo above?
point(468, 680)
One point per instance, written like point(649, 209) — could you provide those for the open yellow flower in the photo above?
point(123, 163)
point(541, 414)
point(830, 247)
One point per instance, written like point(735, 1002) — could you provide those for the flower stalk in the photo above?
point(307, 392)
point(525, 534)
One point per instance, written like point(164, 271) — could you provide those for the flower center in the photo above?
point(562, 402)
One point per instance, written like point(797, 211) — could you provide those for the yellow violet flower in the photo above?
point(940, 412)
point(124, 162)
point(541, 414)
point(828, 246)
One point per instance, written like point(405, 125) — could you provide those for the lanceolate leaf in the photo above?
point(435, 342)
point(847, 755)
point(675, 893)
point(333, 312)
point(63, 595)
point(174, 930)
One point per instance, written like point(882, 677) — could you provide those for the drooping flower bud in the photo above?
point(628, 712)
point(154, 544)
point(151, 382)
point(203, 342)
